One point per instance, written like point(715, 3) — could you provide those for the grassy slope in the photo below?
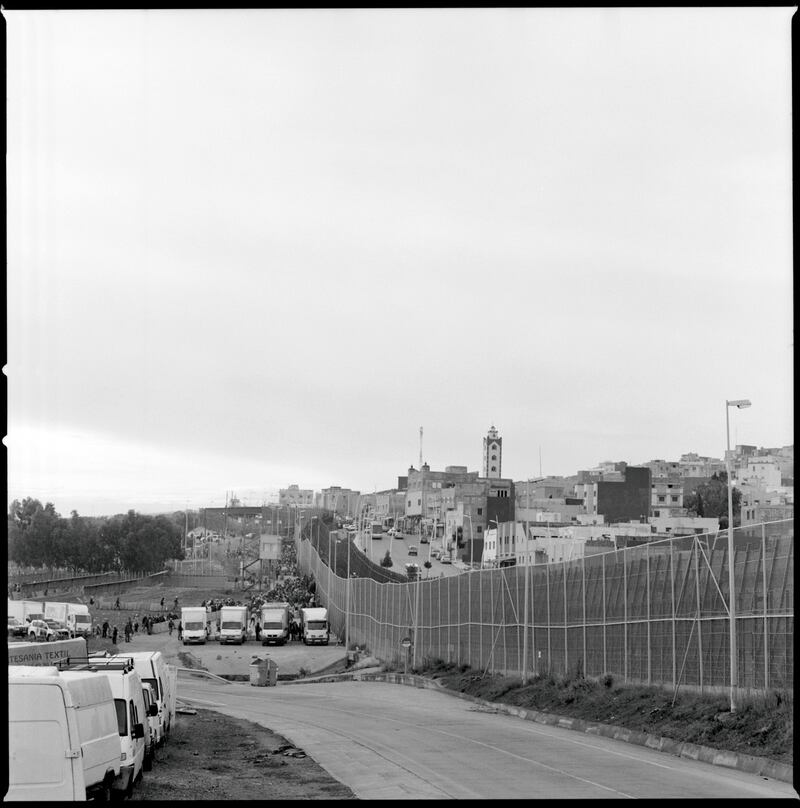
point(762, 726)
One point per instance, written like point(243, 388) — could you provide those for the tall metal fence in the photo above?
point(653, 614)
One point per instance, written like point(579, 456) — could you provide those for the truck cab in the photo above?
point(316, 629)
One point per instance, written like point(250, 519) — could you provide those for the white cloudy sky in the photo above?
point(254, 248)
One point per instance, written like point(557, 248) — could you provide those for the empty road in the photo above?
point(389, 741)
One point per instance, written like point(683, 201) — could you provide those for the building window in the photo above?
point(494, 457)
point(480, 529)
point(419, 502)
point(656, 513)
point(661, 498)
point(674, 498)
point(494, 468)
point(480, 511)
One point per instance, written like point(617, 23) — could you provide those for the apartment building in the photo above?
point(621, 494)
point(294, 495)
point(342, 501)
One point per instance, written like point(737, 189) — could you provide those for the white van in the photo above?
point(152, 668)
point(126, 688)
point(63, 738)
point(151, 710)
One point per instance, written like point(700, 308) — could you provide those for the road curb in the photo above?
point(732, 760)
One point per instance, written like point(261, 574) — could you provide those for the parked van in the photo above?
point(233, 624)
point(274, 623)
point(151, 711)
point(195, 624)
point(315, 625)
point(126, 688)
point(63, 737)
point(152, 668)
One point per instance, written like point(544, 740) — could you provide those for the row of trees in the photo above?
point(38, 536)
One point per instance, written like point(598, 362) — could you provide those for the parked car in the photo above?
point(446, 560)
point(16, 628)
point(412, 549)
point(39, 630)
point(436, 554)
point(60, 631)
point(423, 540)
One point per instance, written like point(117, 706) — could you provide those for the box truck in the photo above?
point(26, 610)
point(233, 624)
point(195, 624)
point(63, 736)
point(315, 625)
point(274, 623)
point(75, 616)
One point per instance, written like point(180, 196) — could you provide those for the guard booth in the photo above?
point(263, 673)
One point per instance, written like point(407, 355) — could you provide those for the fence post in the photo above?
point(469, 618)
point(672, 585)
point(566, 630)
point(764, 590)
point(417, 624)
point(549, 647)
point(605, 659)
point(503, 588)
point(699, 621)
point(583, 577)
point(649, 658)
point(625, 612)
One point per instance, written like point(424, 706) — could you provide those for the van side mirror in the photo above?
point(138, 730)
point(152, 709)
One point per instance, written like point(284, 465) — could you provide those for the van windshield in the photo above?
point(82, 618)
point(154, 684)
point(316, 624)
point(194, 626)
point(122, 716)
point(234, 624)
point(277, 625)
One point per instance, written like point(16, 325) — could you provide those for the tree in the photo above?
point(386, 561)
point(710, 499)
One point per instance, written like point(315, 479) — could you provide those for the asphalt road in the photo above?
point(398, 547)
point(389, 741)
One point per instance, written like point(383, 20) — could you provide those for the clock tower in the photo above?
point(492, 454)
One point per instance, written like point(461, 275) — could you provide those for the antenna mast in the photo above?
point(420, 447)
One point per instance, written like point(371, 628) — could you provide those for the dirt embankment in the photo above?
point(215, 757)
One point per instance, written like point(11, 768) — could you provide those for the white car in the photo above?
point(39, 630)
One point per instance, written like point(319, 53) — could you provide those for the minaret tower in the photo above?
point(492, 454)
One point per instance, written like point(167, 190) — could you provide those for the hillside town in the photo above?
point(485, 520)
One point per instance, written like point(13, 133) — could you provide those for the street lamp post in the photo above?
point(739, 404)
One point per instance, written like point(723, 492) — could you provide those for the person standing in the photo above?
point(105, 629)
point(258, 631)
point(171, 626)
point(180, 629)
point(162, 604)
point(114, 636)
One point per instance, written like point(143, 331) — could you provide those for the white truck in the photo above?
point(194, 620)
point(233, 624)
point(274, 623)
point(26, 610)
point(315, 625)
point(63, 736)
point(75, 616)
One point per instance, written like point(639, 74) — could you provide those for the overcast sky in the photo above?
point(254, 248)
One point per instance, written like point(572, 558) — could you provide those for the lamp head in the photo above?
point(740, 403)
